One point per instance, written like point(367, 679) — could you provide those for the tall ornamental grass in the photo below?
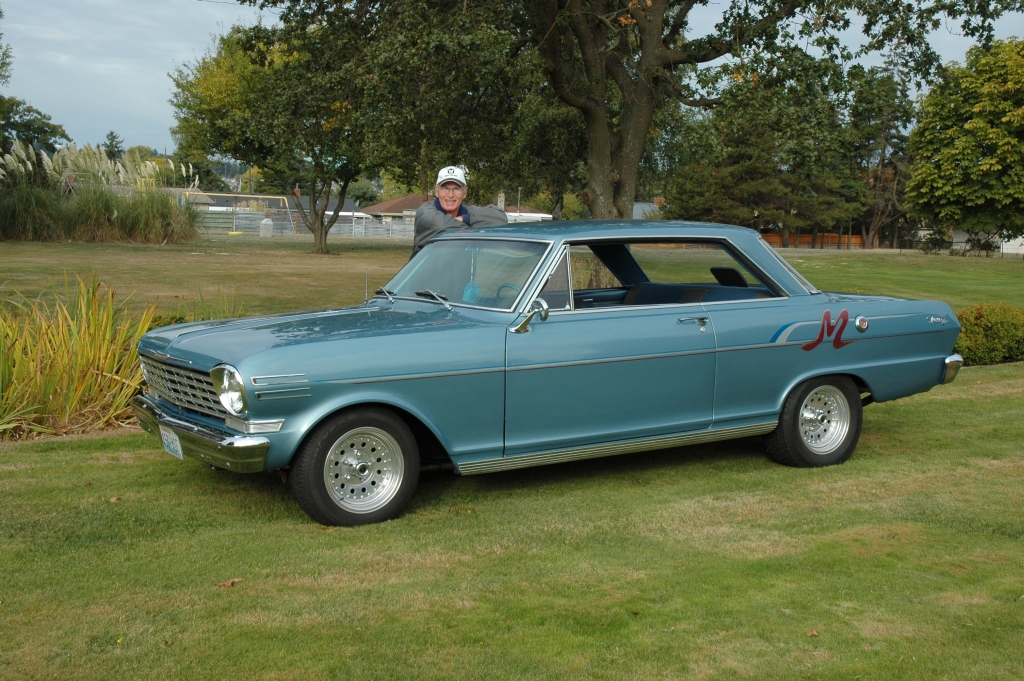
point(69, 366)
point(95, 213)
point(80, 195)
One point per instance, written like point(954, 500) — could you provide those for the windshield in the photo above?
point(479, 272)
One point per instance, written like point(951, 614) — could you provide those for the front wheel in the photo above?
point(819, 425)
point(358, 467)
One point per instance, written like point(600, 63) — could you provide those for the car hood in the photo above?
point(203, 345)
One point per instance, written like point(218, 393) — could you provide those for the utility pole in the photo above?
point(519, 201)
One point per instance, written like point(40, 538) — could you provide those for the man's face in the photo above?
point(450, 194)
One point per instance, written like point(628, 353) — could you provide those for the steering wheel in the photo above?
point(515, 288)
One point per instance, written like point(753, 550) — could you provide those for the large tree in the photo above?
point(881, 112)
point(19, 121)
point(773, 154)
point(286, 99)
point(618, 62)
point(968, 146)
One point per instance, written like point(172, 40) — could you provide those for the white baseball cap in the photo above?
point(451, 174)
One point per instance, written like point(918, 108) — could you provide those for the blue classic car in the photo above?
point(506, 347)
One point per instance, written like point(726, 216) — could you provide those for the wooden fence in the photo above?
point(823, 241)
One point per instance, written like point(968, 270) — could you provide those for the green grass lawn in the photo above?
point(705, 562)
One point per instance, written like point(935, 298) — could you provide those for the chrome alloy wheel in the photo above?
point(824, 419)
point(364, 470)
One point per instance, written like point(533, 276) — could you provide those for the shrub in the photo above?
point(991, 333)
point(69, 366)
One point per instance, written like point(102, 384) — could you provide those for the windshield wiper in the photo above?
point(387, 293)
point(427, 293)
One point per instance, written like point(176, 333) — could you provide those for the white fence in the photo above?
point(288, 222)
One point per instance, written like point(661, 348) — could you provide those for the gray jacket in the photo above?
point(430, 221)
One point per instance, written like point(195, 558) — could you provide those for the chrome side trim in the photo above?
point(951, 368)
point(611, 449)
point(612, 360)
point(277, 379)
point(413, 377)
point(285, 394)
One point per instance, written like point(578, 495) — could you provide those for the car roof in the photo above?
point(581, 229)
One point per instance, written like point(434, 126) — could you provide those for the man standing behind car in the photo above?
point(446, 211)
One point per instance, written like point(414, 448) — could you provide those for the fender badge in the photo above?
point(828, 329)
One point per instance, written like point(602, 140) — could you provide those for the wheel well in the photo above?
point(431, 449)
point(859, 382)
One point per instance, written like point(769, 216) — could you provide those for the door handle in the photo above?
point(703, 321)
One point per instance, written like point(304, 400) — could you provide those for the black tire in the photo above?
point(827, 434)
point(357, 467)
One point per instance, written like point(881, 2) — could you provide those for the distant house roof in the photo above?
point(395, 206)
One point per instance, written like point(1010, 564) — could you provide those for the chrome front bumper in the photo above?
point(951, 368)
point(238, 453)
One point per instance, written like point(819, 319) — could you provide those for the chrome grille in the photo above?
point(186, 388)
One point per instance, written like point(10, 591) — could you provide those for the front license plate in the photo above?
point(171, 442)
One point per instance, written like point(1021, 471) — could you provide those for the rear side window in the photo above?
point(659, 273)
point(694, 263)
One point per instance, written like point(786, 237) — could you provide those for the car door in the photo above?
point(606, 373)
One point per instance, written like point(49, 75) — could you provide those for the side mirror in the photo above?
point(539, 307)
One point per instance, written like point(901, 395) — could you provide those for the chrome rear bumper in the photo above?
point(951, 368)
point(238, 453)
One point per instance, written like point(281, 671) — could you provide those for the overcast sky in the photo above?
point(99, 65)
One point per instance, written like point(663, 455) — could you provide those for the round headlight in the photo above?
point(230, 389)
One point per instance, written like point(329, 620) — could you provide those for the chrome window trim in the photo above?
point(563, 249)
point(658, 306)
point(526, 285)
point(800, 279)
point(734, 251)
point(568, 243)
point(626, 308)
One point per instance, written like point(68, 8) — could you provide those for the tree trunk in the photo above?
point(785, 236)
point(557, 205)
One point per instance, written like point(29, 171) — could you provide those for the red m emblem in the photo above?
point(828, 328)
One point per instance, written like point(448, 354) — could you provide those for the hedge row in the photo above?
point(991, 334)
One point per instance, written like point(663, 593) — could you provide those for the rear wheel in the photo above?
point(819, 425)
point(358, 467)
